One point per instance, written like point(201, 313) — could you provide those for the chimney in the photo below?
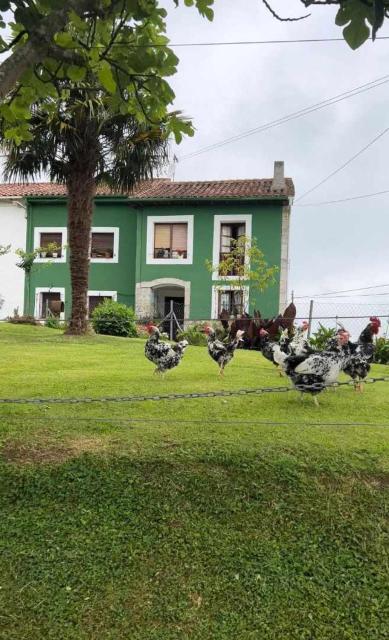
point(278, 178)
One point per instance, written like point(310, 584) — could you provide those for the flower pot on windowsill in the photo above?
point(55, 254)
point(43, 254)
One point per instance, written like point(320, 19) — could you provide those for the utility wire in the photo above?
point(317, 295)
point(320, 204)
point(292, 116)
point(345, 164)
point(232, 43)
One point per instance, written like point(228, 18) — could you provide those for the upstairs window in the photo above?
point(102, 245)
point(51, 245)
point(230, 234)
point(171, 241)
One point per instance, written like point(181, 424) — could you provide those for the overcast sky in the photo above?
point(228, 90)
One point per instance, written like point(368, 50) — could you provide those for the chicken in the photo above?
point(220, 352)
point(275, 352)
point(361, 353)
point(313, 373)
point(299, 345)
point(164, 355)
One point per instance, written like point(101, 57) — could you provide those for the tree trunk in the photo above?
point(81, 193)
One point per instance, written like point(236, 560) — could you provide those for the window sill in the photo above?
point(113, 260)
point(169, 261)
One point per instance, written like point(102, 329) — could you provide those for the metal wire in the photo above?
point(189, 396)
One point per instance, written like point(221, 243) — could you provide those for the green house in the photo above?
point(149, 250)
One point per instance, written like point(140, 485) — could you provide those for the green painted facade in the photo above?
point(131, 268)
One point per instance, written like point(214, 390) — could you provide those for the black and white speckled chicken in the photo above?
point(275, 352)
point(313, 373)
point(164, 355)
point(222, 353)
point(361, 354)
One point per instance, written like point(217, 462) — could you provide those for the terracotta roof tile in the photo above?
point(165, 189)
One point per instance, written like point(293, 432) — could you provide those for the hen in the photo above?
point(164, 355)
point(361, 353)
point(220, 352)
point(313, 373)
point(275, 352)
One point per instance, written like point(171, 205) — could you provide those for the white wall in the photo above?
point(12, 231)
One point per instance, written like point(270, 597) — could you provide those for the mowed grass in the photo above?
point(253, 517)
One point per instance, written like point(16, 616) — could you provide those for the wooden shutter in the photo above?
point(162, 236)
point(180, 237)
point(225, 238)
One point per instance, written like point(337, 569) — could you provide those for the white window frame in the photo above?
point(37, 242)
point(218, 220)
point(115, 258)
point(215, 298)
point(102, 294)
point(38, 301)
point(151, 221)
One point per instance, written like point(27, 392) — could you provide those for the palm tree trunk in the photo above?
point(81, 193)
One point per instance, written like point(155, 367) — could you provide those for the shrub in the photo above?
point(320, 338)
point(114, 319)
point(16, 319)
point(195, 335)
point(381, 353)
point(52, 322)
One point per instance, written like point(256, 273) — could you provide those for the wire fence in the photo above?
point(352, 315)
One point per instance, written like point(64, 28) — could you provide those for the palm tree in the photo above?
point(81, 142)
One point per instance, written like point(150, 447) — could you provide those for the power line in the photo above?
point(345, 164)
point(292, 116)
point(328, 293)
point(233, 43)
point(319, 204)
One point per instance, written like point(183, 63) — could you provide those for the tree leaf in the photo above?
point(106, 77)
point(76, 74)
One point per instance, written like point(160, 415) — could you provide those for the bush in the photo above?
point(320, 338)
point(114, 319)
point(195, 334)
point(381, 353)
point(16, 319)
point(52, 322)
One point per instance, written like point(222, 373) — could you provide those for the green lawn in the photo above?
point(188, 519)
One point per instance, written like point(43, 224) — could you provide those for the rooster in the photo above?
point(164, 355)
point(220, 352)
point(314, 373)
point(361, 353)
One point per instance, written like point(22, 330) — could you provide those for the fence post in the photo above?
point(310, 317)
point(171, 320)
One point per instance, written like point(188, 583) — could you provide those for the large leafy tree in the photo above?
point(360, 19)
point(105, 120)
point(70, 40)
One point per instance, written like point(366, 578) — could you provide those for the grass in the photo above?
point(191, 519)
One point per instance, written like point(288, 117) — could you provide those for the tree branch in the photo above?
point(275, 15)
point(37, 46)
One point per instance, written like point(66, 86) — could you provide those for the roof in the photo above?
point(165, 189)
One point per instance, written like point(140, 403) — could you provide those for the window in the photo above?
point(52, 243)
point(171, 240)
point(97, 297)
point(230, 302)
point(229, 299)
point(94, 301)
point(104, 244)
point(49, 302)
point(229, 236)
point(227, 229)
